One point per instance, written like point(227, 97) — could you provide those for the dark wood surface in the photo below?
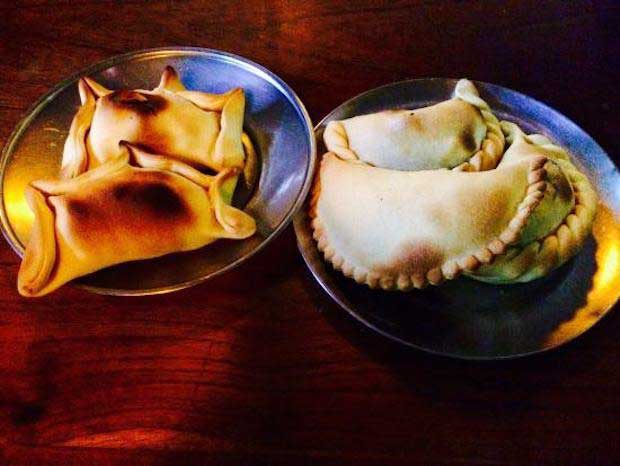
point(258, 367)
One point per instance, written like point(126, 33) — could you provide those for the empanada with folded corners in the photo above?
point(122, 211)
point(204, 130)
point(553, 245)
point(461, 133)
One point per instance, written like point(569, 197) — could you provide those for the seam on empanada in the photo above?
point(228, 149)
point(492, 146)
point(170, 80)
point(206, 101)
point(485, 158)
point(336, 133)
point(97, 89)
point(75, 152)
point(567, 239)
point(449, 270)
point(586, 199)
point(40, 255)
point(235, 222)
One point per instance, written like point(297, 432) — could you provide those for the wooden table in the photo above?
point(258, 366)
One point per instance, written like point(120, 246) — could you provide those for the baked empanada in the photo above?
point(553, 245)
point(403, 229)
point(460, 133)
point(204, 130)
point(121, 211)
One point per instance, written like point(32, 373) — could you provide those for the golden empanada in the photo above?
point(204, 130)
point(121, 211)
point(459, 133)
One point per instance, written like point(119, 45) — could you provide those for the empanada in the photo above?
point(204, 130)
point(122, 211)
point(403, 229)
point(460, 133)
point(554, 245)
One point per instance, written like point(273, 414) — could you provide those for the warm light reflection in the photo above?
point(610, 265)
point(605, 288)
point(36, 155)
point(19, 213)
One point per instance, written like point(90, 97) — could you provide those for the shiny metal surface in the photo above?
point(472, 320)
point(276, 121)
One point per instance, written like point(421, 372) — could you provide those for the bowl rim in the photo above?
point(227, 57)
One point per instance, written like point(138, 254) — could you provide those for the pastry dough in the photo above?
point(555, 244)
point(199, 128)
point(135, 206)
point(403, 229)
point(460, 133)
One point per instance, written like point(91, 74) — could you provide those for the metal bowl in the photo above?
point(473, 320)
point(275, 120)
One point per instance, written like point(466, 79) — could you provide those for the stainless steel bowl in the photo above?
point(276, 121)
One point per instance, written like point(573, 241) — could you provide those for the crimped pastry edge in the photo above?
point(537, 186)
point(492, 146)
point(485, 158)
point(566, 240)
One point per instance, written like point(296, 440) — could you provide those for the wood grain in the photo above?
point(258, 367)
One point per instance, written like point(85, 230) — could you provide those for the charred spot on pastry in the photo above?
point(152, 197)
point(144, 104)
point(78, 208)
point(467, 140)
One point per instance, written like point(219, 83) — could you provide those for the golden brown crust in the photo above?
point(250, 167)
point(228, 151)
point(97, 89)
point(207, 101)
point(75, 152)
point(40, 255)
point(139, 103)
point(119, 212)
point(170, 80)
point(198, 128)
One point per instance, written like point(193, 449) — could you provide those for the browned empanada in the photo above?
point(202, 129)
point(122, 211)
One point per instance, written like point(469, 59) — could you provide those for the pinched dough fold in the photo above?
point(461, 133)
point(198, 128)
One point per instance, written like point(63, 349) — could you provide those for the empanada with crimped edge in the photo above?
point(202, 129)
point(404, 229)
point(121, 211)
point(461, 133)
point(553, 245)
